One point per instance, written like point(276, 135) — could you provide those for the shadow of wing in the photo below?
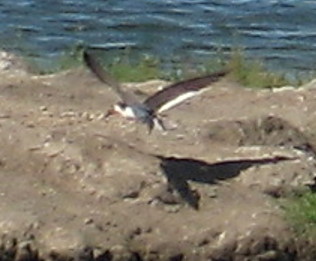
point(181, 170)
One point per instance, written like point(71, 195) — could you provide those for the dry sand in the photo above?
point(76, 186)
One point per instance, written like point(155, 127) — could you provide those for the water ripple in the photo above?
point(165, 28)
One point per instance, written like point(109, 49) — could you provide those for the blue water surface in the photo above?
point(281, 33)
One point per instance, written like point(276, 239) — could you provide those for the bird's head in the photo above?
point(118, 109)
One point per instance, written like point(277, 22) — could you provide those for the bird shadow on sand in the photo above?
point(181, 170)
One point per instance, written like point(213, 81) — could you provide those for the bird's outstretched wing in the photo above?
point(177, 92)
point(106, 78)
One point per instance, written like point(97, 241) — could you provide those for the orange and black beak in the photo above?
point(110, 113)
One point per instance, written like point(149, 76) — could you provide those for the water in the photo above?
point(281, 33)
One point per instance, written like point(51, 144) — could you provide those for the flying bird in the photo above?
point(148, 111)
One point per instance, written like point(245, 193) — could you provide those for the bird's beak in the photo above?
point(110, 113)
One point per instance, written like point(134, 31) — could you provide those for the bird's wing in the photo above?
point(106, 78)
point(185, 89)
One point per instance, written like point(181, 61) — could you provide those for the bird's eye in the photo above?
point(122, 105)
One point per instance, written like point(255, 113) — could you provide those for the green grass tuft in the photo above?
point(128, 68)
point(146, 68)
point(248, 73)
point(71, 58)
point(252, 73)
point(300, 211)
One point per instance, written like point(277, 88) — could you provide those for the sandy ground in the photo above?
point(76, 186)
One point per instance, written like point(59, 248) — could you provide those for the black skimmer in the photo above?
point(148, 110)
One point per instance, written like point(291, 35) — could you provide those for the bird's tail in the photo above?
point(159, 124)
point(155, 123)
